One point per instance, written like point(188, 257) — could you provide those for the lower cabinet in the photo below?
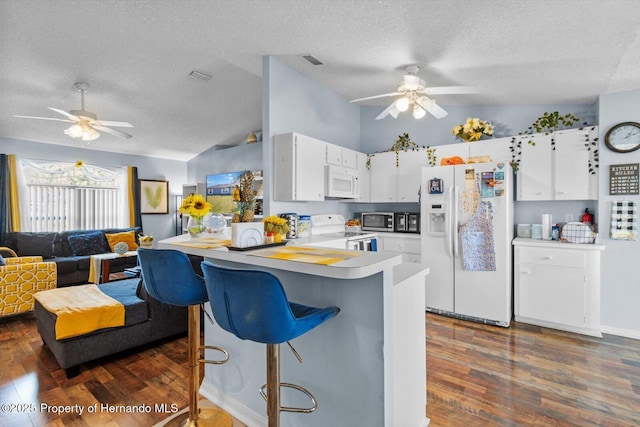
point(407, 244)
point(557, 285)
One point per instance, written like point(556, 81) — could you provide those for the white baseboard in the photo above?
point(628, 333)
point(237, 409)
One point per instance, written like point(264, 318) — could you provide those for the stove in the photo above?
point(332, 225)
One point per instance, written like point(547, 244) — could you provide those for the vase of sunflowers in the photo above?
point(473, 129)
point(276, 225)
point(197, 207)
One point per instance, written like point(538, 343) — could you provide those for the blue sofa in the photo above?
point(72, 269)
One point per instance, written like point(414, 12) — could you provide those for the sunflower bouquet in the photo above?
point(473, 129)
point(197, 207)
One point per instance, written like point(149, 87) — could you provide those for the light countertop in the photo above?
point(363, 265)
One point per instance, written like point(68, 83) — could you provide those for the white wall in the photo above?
point(292, 102)
point(161, 226)
point(238, 158)
point(620, 266)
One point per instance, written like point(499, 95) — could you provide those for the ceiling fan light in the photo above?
point(402, 104)
point(418, 112)
point(411, 82)
point(74, 131)
point(89, 134)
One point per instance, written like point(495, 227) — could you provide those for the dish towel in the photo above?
point(478, 246)
point(624, 220)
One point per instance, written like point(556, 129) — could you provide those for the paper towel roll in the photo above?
point(546, 227)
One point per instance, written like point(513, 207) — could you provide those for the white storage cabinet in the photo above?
point(407, 244)
point(557, 285)
point(562, 173)
point(298, 168)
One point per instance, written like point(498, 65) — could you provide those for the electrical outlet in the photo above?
point(568, 218)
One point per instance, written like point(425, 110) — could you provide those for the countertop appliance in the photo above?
point(450, 197)
point(406, 222)
point(340, 182)
point(332, 225)
point(377, 221)
point(292, 222)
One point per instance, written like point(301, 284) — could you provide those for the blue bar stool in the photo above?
point(252, 305)
point(168, 276)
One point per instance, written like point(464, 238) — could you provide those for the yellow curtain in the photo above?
point(13, 193)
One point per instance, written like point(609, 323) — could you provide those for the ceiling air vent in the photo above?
point(199, 75)
point(313, 60)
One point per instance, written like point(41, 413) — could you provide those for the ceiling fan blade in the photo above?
point(390, 110)
point(111, 131)
point(376, 96)
point(45, 118)
point(430, 105)
point(64, 113)
point(451, 90)
point(116, 124)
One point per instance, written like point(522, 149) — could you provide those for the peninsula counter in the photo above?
point(366, 366)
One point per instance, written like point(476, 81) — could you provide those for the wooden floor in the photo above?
point(529, 376)
point(477, 375)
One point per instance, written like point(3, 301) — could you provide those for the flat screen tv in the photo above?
point(220, 189)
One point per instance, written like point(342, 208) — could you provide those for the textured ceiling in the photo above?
point(136, 57)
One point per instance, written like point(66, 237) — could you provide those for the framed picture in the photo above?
point(154, 196)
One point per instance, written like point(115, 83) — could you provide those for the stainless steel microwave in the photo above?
point(377, 221)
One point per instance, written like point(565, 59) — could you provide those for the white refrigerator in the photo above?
point(470, 264)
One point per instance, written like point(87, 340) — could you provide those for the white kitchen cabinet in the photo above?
point(383, 177)
point(410, 164)
point(572, 178)
point(407, 244)
point(460, 149)
point(298, 167)
point(364, 179)
point(557, 285)
point(497, 149)
point(534, 179)
point(341, 156)
point(558, 171)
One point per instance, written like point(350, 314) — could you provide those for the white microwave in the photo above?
point(341, 183)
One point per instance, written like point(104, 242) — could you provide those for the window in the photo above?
point(69, 196)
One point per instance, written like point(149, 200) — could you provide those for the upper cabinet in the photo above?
point(298, 175)
point(299, 168)
point(496, 149)
point(340, 156)
point(558, 168)
point(383, 177)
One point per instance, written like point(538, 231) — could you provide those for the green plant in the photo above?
point(549, 123)
point(403, 143)
point(431, 156)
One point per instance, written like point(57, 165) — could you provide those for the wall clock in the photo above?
point(623, 137)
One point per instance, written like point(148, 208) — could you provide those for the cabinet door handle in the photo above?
point(525, 272)
point(547, 258)
point(561, 192)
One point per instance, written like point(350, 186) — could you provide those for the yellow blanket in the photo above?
point(81, 309)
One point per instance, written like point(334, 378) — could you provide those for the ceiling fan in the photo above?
point(85, 123)
point(414, 95)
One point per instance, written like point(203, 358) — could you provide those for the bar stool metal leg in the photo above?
point(196, 416)
point(273, 384)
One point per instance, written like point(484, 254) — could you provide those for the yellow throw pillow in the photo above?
point(129, 237)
